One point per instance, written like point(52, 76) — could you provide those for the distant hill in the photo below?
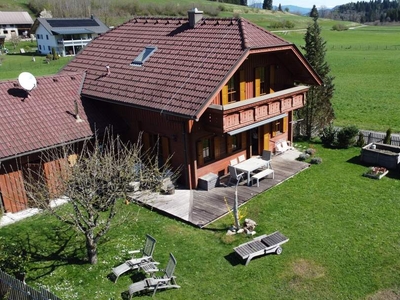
point(292, 8)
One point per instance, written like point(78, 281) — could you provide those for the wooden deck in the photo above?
point(200, 207)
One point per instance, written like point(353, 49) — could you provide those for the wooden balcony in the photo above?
point(225, 118)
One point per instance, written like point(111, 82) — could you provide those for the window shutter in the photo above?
point(217, 147)
point(273, 128)
point(225, 95)
point(242, 85)
point(200, 159)
point(285, 124)
point(244, 139)
point(257, 82)
point(266, 136)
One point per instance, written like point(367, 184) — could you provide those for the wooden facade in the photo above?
point(257, 101)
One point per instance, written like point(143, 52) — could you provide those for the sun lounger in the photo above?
point(261, 245)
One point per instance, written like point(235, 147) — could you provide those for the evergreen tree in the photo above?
point(318, 111)
point(280, 7)
point(267, 4)
point(314, 12)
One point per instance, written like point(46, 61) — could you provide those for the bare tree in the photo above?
point(92, 182)
point(15, 40)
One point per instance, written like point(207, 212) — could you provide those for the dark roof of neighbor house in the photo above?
point(45, 117)
point(15, 17)
point(187, 67)
point(71, 25)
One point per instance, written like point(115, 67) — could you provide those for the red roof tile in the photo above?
point(182, 74)
point(44, 117)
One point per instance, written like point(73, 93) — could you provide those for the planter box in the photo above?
point(375, 176)
point(378, 154)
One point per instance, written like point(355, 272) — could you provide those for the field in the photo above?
point(343, 243)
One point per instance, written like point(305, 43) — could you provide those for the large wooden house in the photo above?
point(209, 89)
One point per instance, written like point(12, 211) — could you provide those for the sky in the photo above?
point(308, 3)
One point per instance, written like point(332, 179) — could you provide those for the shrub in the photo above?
point(328, 135)
point(388, 137)
point(311, 151)
point(339, 27)
point(346, 136)
point(360, 141)
point(316, 160)
point(303, 156)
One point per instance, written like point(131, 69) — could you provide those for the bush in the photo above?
point(339, 27)
point(328, 135)
point(303, 156)
point(346, 137)
point(316, 160)
point(388, 137)
point(311, 151)
point(360, 141)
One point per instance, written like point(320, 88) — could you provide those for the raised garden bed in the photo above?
point(378, 154)
point(376, 172)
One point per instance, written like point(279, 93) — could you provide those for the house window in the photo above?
point(263, 89)
point(47, 36)
point(231, 90)
point(207, 149)
point(277, 127)
point(236, 142)
point(48, 48)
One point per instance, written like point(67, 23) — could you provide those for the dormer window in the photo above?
point(143, 56)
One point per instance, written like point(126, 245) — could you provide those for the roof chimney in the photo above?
point(194, 15)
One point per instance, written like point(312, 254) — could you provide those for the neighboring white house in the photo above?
point(66, 35)
point(14, 22)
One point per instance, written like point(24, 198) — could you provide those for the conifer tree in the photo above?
point(318, 111)
point(267, 4)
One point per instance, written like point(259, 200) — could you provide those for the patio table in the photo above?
point(250, 165)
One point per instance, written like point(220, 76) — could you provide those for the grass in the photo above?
point(343, 243)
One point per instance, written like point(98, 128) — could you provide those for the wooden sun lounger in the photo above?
point(261, 245)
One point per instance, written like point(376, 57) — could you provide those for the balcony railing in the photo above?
point(224, 118)
point(77, 42)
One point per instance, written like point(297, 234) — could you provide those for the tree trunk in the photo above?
point(91, 249)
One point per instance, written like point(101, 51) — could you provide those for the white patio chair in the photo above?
point(241, 158)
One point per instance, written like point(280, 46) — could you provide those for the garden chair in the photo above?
point(135, 263)
point(233, 174)
point(241, 158)
point(234, 161)
point(154, 283)
point(261, 245)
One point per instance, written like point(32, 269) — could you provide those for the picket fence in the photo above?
point(14, 289)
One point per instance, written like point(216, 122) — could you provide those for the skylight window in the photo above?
point(143, 56)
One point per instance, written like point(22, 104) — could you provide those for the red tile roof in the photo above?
point(45, 117)
point(184, 72)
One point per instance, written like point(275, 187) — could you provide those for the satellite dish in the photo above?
point(27, 81)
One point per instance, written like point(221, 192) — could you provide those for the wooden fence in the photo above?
point(378, 137)
point(14, 289)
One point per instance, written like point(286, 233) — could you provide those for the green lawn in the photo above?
point(344, 243)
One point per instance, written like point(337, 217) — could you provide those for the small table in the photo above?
point(251, 164)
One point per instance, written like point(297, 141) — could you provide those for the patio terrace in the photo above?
point(201, 207)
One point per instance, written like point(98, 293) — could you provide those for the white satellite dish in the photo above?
point(27, 81)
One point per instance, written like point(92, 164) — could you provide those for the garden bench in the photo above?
point(262, 174)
